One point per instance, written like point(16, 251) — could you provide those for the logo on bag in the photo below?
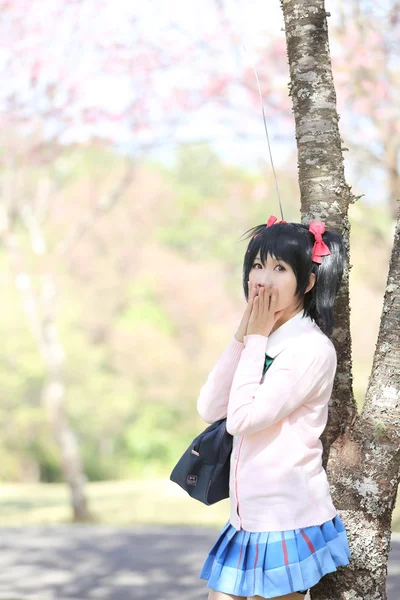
point(191, 480)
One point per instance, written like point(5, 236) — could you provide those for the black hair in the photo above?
point(293, 243)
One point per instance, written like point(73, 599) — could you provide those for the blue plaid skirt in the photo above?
point(275, 563)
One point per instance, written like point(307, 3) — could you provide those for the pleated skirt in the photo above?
point(275, 563)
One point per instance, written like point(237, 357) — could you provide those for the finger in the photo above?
point(257, 289)
point(251, 301)
point(254, 313)
point(274, 298)
point(271, 297)
point(252, 293)
point(274, 294)
point(262, 294)
point(266, 297)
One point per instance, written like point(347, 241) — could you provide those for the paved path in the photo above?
point(115, 563)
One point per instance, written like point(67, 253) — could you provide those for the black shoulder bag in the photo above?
point(203, 470)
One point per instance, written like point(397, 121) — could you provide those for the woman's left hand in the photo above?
point(264, 314)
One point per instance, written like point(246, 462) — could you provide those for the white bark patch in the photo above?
point(391, 396)
point(321, 96)
point(311, 136)
point(321, 102)
point(369, 492)
point(319, 211)
point(298, 12)
point(306, 127)
point(391, 287)
point(307, 62)
point(342, 378)
point(321, 179)
point(303, 93)
point(340, 333)
point(309, 76)
point(385, 347)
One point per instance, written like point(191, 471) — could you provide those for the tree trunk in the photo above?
point(324, 192)
point(364, 464)
point(363, 451)
point(392, 156)
point(41, 312)
point(41, 315)
point(53, 399)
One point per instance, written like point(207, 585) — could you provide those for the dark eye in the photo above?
point(280, 266)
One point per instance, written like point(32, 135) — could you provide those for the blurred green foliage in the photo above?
point(146, 301)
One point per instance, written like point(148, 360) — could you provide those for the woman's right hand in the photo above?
point(241, 332)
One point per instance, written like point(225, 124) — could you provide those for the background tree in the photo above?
point(49, 106)
point(366, 49)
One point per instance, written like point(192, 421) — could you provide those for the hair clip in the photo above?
point(271, 221)
point(274, 221)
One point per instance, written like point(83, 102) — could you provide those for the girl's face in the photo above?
point(280, 275)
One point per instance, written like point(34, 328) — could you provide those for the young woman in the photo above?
point(273, 384)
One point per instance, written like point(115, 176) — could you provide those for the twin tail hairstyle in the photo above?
point(293, 243)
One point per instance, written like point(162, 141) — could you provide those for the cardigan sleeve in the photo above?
point(212, 403)
point(297, 375)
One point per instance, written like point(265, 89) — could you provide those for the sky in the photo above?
point(252, 24)
point(210, 123)
point(161, 21)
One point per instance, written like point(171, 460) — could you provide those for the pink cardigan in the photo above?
point(277, 481)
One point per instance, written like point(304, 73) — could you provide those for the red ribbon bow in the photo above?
point(274, 221)
point(271, 221)
point(320, 248)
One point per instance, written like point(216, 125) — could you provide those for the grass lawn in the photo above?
point(154, 501)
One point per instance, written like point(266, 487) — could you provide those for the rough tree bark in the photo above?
point(361, 452)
